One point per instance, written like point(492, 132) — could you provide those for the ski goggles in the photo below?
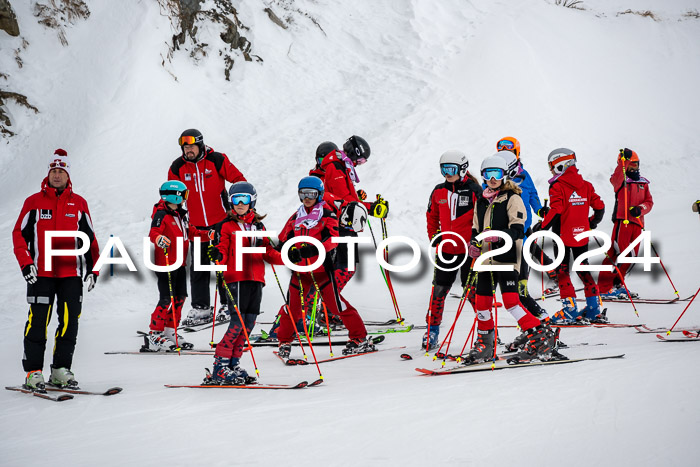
point(308, 193)
point(449, 170)
point(185, 194)
point(241, 198)
point(505, 145)
point(494, 172)
point(58, 164)
point(183, 140)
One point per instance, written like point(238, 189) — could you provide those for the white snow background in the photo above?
point(415, 78)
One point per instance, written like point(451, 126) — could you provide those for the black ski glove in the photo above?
point(91, 279)
point(635, 211)
point(307, 251)
point(541, 212)
point(29, 273)
point(294, 255)
point(214, 254)
point(379, 208)
point(537, 227)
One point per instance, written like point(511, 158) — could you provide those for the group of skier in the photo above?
point(505, 203)
point(195, 205)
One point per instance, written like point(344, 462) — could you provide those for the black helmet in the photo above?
point(356, 149)
point(324, 149)
point(186, 138)
point(243, 192)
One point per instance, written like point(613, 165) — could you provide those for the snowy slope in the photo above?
point(414, 78)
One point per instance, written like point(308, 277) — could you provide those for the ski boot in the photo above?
point(518, 343)
point(222, 374)
point(284, 350)
point(155, 342)
point(240, 371)
point(198, 315)
point(569, 313)
point(431, 337)
point(62, 378)
point(592, 312)
point(35, 381)
point(359, 346)
point(616, 293)
point(483, 348)
point(541, 342)
point(169, 334)
point(224, 314)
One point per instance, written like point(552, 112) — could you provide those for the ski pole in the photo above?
point(469, 336)
point(495, 326)
point(624, 187)
point(240, 318)
point(668, 333)
point(213, 323)
point(288, 313)
point(675, 290)
point(620, 275)
point(384, 275)
point(172, 299)
point(385, 235)
point(430, 310)
point(462, 302)
point(318, 294)
point(303, 320)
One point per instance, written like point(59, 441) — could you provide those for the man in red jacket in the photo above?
point(632, 202)
point(54, 208)
point(204, 172)
point(571, 199)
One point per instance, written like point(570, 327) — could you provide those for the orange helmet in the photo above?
point(509, 144)
point(629, 156)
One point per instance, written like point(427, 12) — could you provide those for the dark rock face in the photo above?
point(8, 19)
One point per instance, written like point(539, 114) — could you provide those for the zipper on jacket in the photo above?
point(200, 184)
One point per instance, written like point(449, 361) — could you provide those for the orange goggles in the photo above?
point(58, 164)
point(186, 140)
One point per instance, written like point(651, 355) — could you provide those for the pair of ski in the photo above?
point(644, 329)
point(690, 336)
point(253, 385)
point(64, 394)
point(301, 361)
point(502, 364)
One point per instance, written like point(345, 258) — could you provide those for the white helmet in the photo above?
point(454, 162)
point(494, 163)
point(511, 162)
point(561, 159)
point(354, 216)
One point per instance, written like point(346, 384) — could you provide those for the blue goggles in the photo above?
point(241, 198)
point(495, 173)
point(505, 145)
point(449, 170)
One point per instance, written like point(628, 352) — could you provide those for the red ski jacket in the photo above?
point(205, 179)
point(638, 194)
point(253, 264)
point(324, 230)
point(571, 198)
point(337, 179)
point(331, 200)
point(172, 224)
point(451, 209)
point(47, 211)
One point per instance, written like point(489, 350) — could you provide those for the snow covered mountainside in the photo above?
point(415, 78)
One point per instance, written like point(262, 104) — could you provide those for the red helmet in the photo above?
point(509, 143)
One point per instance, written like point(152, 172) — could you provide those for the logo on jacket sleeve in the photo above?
point(45, 214)
point(577, 200)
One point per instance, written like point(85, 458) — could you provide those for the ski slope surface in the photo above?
point(415, 78)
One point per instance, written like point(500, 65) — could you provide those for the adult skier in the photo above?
point(204, 172)
point(55, 208)
point(315, 219)
point(170, 221)
point(450, 211)
point(571, 199)
point(244, 281)
point(500, 207)
point(632, 202)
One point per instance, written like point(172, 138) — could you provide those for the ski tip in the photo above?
point(316, 383)
point(113, 391)
point(406, 356)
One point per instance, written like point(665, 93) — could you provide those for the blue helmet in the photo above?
point(173, 191)
point(242, 192)
point(307, 185)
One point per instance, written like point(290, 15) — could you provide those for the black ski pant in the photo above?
point(68, 295)
point(200, 280)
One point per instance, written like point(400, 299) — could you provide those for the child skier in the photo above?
point(632, 202)
point(571, 200)
point(170, 221)
point(450, 209)
point(315, 219)
point(501, 208)
point(243, 282)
